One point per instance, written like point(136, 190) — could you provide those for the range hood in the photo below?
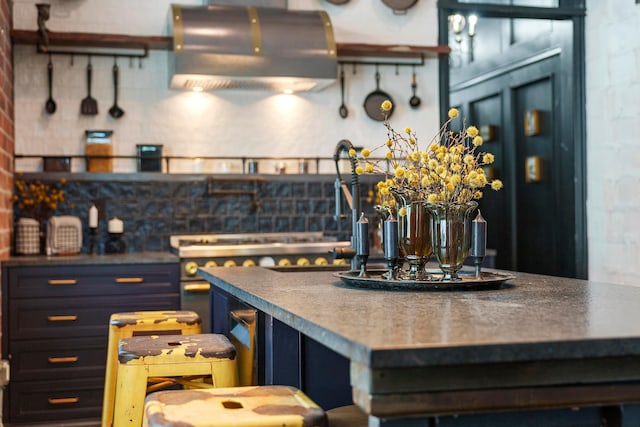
point(246, 47)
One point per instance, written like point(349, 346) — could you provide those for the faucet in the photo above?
point(353, 200)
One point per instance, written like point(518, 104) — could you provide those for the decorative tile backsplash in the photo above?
point(153, 210)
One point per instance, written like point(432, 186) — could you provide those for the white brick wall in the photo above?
point(231, 123)
point(613, 148)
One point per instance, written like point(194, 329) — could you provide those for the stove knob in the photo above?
point(320, 261)
point(191, 268)
point(248, 263)
point(210, 264)
point(284, 262)
point(302, 261)
point(230, 263)
point(339, 261)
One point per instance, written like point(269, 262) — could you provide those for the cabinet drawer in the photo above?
point(85, 280)
point(77, 317)
point(31, 401)
point(58, 359)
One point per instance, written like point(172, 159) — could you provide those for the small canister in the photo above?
point(27, 237)
point(303, 167)
point(252, 166)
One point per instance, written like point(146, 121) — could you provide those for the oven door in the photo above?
point(194, 296)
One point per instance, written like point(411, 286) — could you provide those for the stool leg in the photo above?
point(131, 387)
point(224, 373)
point(110, 376)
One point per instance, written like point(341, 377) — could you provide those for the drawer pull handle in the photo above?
point(71, 318)
point(129, 280)
point(197, 287)
point(70, 359)
point(62, 281)
point(62, 400)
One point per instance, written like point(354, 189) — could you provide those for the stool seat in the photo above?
point(265, 406)
point(168, 356)
point(128, 324)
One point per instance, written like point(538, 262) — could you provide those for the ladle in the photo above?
point(115, 111)
point(414, 101)
point(343, 108)
point(50, 105)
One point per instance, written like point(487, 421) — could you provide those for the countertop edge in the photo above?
point(85, 259)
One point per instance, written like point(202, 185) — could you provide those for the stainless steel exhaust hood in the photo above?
point(234, 47)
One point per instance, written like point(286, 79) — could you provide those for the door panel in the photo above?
point(536, 210)
point(528, 223)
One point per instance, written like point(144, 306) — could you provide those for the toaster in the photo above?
point(64, 235)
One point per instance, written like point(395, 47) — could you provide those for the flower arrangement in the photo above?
point(448, 170)
point(37, 199)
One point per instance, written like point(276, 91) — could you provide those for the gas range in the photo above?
point(277, 250)
point(254, 249)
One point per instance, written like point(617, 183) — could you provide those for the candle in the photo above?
point(363, 236)
point(390, 238)
point(116, 225)
point(478, 237)
point(93, 217)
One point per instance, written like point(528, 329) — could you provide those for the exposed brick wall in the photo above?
point(6, 129)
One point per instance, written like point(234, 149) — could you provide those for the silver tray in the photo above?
point(466, 282)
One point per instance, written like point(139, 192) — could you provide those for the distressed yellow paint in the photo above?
point(125, 325)
point(265, 406)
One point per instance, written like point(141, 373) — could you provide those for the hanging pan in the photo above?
point(374, 100)
point(400, 7)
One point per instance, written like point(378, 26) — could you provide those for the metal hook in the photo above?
point(397, 69)
point(71, 61)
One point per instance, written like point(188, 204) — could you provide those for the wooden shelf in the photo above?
point(117, 41)
point(80, 40)
point(363, 50)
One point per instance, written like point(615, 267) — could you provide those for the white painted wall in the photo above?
point(224, 123)
point(613, 140)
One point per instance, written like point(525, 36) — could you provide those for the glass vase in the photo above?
point(451, 235)
point(414, 235)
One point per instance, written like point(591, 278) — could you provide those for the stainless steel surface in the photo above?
point(235, 47)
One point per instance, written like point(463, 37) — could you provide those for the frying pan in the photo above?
point(338, 1)
point(400, 6)
point(373, 101)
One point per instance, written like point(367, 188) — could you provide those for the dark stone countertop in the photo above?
point(84, 259)
point(531, 318)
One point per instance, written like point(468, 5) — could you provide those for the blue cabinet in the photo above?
point(55, 330)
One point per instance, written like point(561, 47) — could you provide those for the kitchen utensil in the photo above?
point(337, 1)
point(374, 100)
point(414, 101)
point(400, 6)
point(50, 105)
point(89, 105)
point(115, 111)
point(343, 108)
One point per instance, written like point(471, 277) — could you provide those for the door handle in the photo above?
point(129, 280)
point(69, 359)
point(62, 400)
point(70, 318)
point(197, 287)
point(62, 281)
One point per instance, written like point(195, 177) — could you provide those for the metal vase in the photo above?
point(451, 234)
point(414, 234)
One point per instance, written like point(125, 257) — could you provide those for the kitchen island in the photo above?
point(537, 342)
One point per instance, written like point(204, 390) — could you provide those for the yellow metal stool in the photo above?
point(264, 406)
point(168, 356)
point(125, 325)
